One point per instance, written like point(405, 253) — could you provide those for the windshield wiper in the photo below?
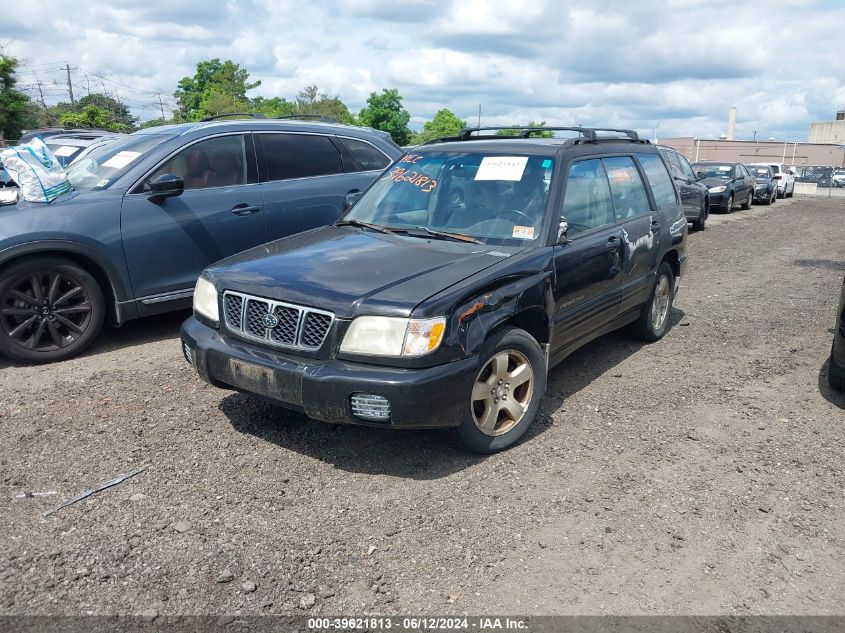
point(364, 225)
point(456, 237)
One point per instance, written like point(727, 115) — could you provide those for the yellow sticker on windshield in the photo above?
point(523, 232)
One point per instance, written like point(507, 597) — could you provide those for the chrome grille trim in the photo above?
point(310, 326)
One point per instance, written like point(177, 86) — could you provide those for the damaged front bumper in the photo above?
point(329, 390)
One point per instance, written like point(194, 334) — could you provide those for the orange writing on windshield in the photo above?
point(401, 174)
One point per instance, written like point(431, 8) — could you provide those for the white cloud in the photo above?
point(679, 64)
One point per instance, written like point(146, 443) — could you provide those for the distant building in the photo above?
point(828, 131)
point(797, 154)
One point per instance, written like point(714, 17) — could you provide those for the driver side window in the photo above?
point(587, 201)
point(217, 162)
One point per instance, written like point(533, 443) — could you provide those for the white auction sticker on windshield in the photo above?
point(724, 167)
point(65, 150)
point(523, 232)
point(121, 159)
point(501, 168)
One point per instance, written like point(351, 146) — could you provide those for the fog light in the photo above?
point(368, 406)
point(189, 353)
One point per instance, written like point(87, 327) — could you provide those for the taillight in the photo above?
point(778, 177)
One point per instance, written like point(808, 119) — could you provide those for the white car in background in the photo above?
point(839, 178)
point(783, 177)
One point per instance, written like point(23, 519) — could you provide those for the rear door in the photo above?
point(305, 178)
point(588, 267)
point(167, 244)
point(641, 226)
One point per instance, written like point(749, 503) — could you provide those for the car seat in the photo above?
point(482, 201)
point(226, 169)
point(198, 170)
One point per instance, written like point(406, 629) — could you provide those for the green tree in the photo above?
point(517, 132)
point(119, 113)
point(271, 108)
point(310, 100)
point(212, 84)
point(92, 116)
point(385, 112)
point(445, 123)
point(16, 111)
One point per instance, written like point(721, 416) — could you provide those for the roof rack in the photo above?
point(253, 115)
point(587, 134)
point(322, 118)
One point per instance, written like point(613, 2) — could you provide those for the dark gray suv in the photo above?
point(150, 210)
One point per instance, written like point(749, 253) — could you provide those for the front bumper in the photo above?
point(718, 200)
point(433, 397)
point(763, 194)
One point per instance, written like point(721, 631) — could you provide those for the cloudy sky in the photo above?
point(674, 66)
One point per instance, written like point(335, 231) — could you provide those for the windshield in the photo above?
point(714, 170)
point(760, 172)
point(492, 198)
point(64, 153)
point(107, 163)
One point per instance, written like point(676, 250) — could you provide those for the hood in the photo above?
point(351, 272)
point(716, 182)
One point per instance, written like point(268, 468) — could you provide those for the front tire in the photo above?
point(50, 309)
point(506, 394)
point(730, 205)
point(698, 223)
point(747, 204)
point(654, 316)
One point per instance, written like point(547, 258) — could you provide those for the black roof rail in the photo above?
point(587, 134)
point(253, 115)
point(321, 117)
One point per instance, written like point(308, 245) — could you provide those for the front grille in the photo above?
point(276, 323)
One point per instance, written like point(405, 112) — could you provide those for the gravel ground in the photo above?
point(702, 474)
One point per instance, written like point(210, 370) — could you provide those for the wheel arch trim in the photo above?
point(122, 307)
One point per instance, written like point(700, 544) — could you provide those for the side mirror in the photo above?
point(166, 186)
point(562, 230)
point(351, 198)
point(701, 175)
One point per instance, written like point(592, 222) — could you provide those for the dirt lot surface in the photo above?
point(702, 474)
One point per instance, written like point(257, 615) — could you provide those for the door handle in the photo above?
point(613, 243)
point(244, 209)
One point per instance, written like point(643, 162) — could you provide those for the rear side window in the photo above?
point(367, 156)
point(661, 182)
point(775, 168)
point(674, 164)
point(586, 202)
point(289, 156)
point(626, 186)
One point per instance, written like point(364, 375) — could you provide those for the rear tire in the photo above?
point(835, 374)
point(51, 309)
point(698, 223)
point(654, 315)
point(497, 419)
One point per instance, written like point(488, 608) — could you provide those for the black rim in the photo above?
point(45, 311)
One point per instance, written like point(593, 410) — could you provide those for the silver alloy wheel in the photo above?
point(660, 305)
point(502, 392)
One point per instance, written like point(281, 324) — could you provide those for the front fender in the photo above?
point(474, 319)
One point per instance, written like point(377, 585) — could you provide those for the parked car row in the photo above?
point(339, 276)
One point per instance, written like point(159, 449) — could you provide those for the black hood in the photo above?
point(715, 181)
point(352, 272)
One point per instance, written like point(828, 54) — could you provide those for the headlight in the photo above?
point(392, 336)
point(205, 299)
point(719, 189)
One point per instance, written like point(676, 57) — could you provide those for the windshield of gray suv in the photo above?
point(107, 163)
point(484, 197)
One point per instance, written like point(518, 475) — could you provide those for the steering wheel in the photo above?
point(520, 216)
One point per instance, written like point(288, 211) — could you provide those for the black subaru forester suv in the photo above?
point(444, 295)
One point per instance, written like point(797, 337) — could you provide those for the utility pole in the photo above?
point(69, 84)
point(40, 91)
point(479, 115)
point(161, 105)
